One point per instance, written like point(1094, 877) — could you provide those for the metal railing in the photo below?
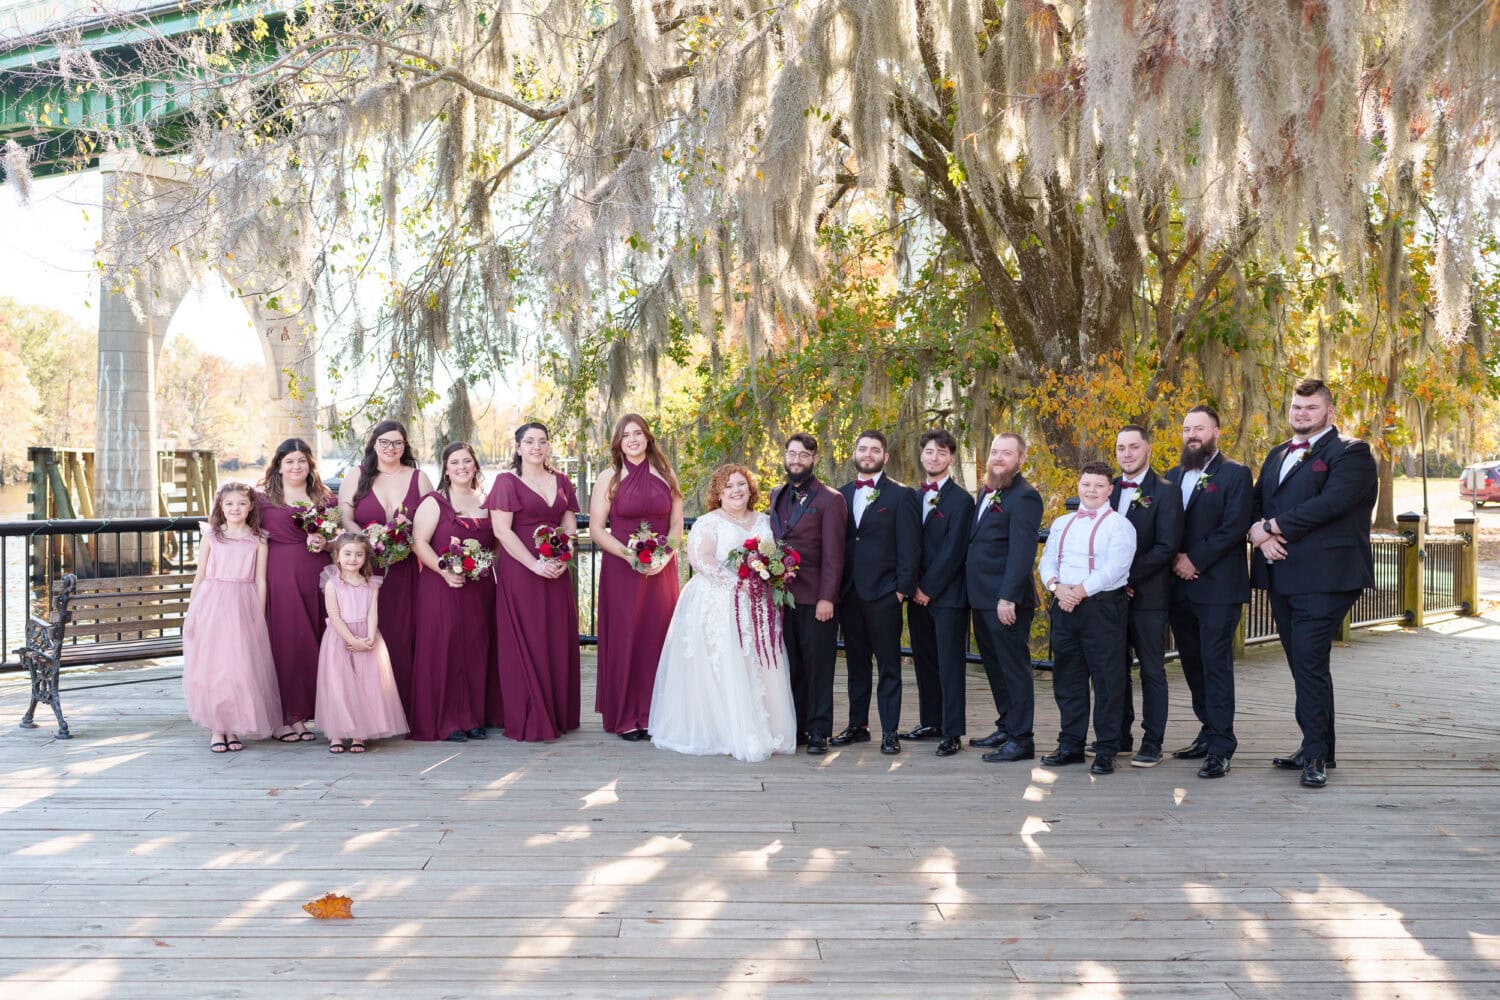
point(35, 553)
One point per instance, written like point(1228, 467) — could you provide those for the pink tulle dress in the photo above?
point(357, 696)
point(228, 677)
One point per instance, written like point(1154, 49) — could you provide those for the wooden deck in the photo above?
point(137, 865)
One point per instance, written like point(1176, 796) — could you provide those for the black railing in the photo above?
point(1440, 573)
point(33, 554)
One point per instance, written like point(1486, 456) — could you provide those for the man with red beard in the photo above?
point(1002, 595)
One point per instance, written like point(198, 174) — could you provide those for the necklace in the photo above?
point(744, 521)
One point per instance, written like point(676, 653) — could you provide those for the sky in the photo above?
point(47, 259)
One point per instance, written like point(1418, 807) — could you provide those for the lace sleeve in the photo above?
point(703, 551)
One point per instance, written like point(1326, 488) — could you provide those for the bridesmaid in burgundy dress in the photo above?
point(389, 481)
point(635, 605)
point(294, 601)
point(536, 610)
point(455, 638)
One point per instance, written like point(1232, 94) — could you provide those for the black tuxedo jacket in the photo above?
point(1323, 510)
point(1156, 514)
point(816, 531)
point(1214, 523)
point(882, 552)
point(1002, 549)
point(945, 543)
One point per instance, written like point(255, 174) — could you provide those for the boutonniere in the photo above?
point(995, 500)
point(932, 500)
point(874, 495)
point(1142, 501)
point(1320, 466)
point(1205, 484)
point(799, 496)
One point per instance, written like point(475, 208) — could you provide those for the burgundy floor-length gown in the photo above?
point(536, 621)
point(294, 610)
point(398, 592)
point(454, 652)
point(634, 609)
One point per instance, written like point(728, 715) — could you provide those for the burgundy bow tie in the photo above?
point(864, 484)
point(931, 487)
point(1297, 446)
point(1088, 514)
point(1126, 484)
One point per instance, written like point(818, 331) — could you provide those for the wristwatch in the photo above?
point(1052, 586)
point(1265, 525)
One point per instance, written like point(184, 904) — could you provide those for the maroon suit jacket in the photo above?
point(816, 531)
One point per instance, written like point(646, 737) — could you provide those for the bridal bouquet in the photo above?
point(767, 567)
point(467, 558)
point(316, 521)
point(649, 548)
point(553, 543)
point(391, 540)
point(766, 571)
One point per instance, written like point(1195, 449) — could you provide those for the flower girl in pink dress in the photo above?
point(228, 677)
point(357, 696)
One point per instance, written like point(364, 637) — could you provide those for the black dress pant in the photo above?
point(1146, 635)
point(1088, 647)
point(873, 629)
point(811, 647)
point(1006, 650)
point(1307, 624)
point(1205, 644)
point(939, 646)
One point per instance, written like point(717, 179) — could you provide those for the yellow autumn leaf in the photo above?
point(331, 907)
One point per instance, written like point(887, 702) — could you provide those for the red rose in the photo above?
point(468, 565)
point(643, 556)
point(566, 556)
point(545, 549)
point(752, 544)
point(744, 572)
point(791, 558)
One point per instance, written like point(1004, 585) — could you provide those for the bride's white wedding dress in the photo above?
point(713, 694)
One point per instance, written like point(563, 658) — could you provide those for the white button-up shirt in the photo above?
point(1108, 537)
point(1291, 459)
point(928, 498)
point(1190, 479)
point(862, 496)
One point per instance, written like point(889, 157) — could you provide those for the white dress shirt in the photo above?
point(1292, 459)
point(928, 497)
point(862, 496)
point(1106, 540)
point(1190, 479)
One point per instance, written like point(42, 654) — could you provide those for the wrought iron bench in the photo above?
point(117, 618)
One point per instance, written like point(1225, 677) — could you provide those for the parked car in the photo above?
point(1480, 483)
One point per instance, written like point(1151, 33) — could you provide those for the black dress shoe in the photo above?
point(1059, 757)
point(851, 734)
point(1214, 767)
point(635, 735)
point(1314, 775)
point(1195, 750)
point(993, 741)
point(921, 733)
point(890, 744)
point(458, 736)
point(949, 746)
point(1104, 763)
point(1012, 750)
point(1125, 746)
point(817, 745)
point(1294, 763)
point(1147, 756)
point(477, 733)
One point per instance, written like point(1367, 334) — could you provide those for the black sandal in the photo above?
point(218, 746)
point(356, 746)
point(235, 746)
point(336, 746)
point(306, 736)
point(290, 736)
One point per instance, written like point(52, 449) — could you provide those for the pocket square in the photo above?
point(1320, 466)
point(881, 510)
point(1210, 488)
point(937, 513)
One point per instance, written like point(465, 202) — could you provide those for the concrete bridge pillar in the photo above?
point(287, 340)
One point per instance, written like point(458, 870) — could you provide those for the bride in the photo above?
point(713, 693)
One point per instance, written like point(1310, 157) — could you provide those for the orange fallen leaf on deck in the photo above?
point(331, 907)
point(160, 943)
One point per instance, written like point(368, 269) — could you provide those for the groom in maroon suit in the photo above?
point(810, 517)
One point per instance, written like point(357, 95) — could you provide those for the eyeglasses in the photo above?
point(388, 444)
point(803, 455)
